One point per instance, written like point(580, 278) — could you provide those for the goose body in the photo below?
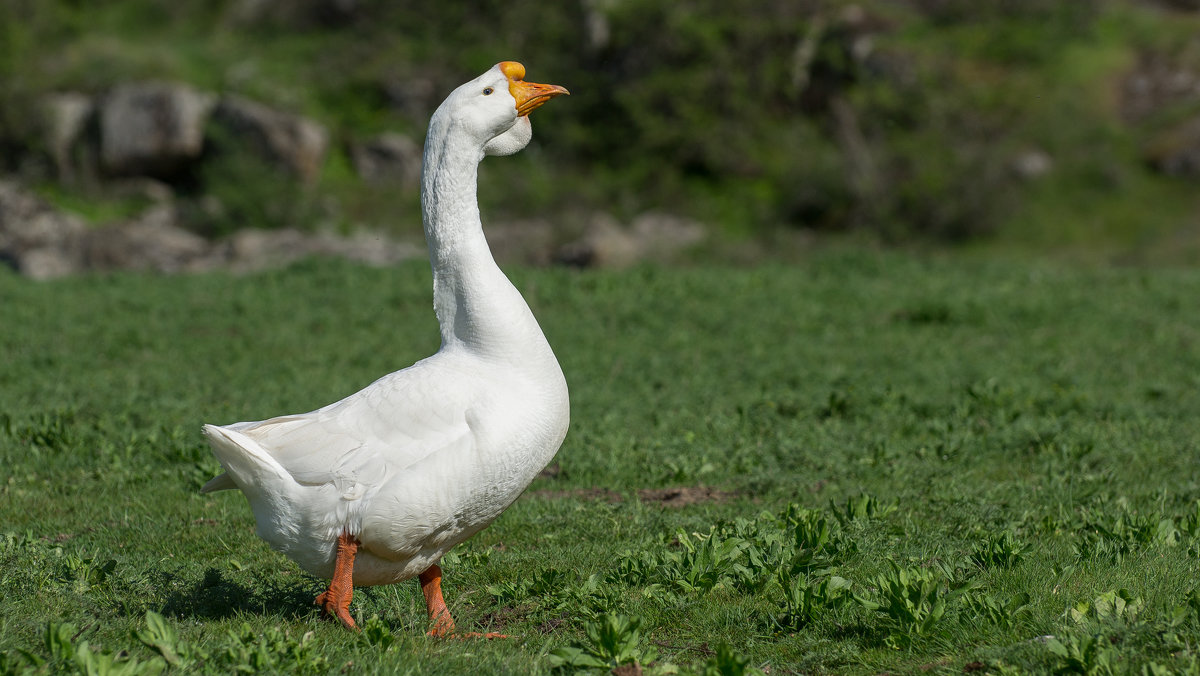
point(420, 460)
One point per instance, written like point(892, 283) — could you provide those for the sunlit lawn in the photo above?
point(884, 463)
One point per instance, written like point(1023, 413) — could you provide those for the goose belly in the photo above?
point(418, 516)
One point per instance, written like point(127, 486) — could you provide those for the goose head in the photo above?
point(493, 109)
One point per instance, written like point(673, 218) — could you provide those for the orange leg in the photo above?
point(439, 614)
point(336, 600)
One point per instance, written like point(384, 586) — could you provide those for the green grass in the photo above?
point(928, 464)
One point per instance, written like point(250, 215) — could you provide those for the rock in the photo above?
point(1176, 152)
point(651, 236)
point(1032, 164)
point(528, 241)
point(68, 115)
point(604, 244)
point(250, 250)
point(369, 248)
point(153, 241)
point(598, 28)
point(35, 238)
point(295, 143)
point(388, 158)
point(1159, 81)
point(141, 187)
point(152, 128)
point(414, 95)
point(663, 236)
point(41, 242)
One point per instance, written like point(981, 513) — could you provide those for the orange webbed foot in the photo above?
point(335, 601)
point(439, 614)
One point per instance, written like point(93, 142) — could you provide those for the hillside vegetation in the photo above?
point(1036, 124)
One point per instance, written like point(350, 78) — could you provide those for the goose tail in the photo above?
point(248, 466)
point(221, 482)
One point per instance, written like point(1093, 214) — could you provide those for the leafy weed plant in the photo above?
point(912, 601)
point(1002, 550)
point(612, 641)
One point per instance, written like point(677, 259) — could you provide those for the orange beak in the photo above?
point(529, 95)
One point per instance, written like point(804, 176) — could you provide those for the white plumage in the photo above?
point(425, 457)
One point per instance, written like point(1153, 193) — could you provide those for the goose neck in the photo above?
point(476, 305)
point(450, 209)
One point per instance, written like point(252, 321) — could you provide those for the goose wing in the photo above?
point(385, 428)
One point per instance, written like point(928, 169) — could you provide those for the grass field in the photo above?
point(866, 462)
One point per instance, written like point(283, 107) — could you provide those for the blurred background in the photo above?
point(729, 130)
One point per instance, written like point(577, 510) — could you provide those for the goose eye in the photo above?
point(487, 91)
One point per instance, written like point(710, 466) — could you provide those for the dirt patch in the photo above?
point(684, 495)
point(498, 620)
point(703, 648)
point(580, 494)
point(551, 624)
point(679, 496)
point(63, 537)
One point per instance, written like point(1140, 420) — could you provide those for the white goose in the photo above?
point(375, 488)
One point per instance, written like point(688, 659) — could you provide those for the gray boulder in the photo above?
point(1157, 81)
point(527, 241)
point(41, 242)
point(388, 158)
point(651, 236)
point(152, 128)
point(663, 236)
point(412, 94)
point(1176, 152)
point(250, 249)
point(35, 238)
point(1031, 164)
point(152, 241)
point(293, 142)
point(605, 243)
point(67, 116)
